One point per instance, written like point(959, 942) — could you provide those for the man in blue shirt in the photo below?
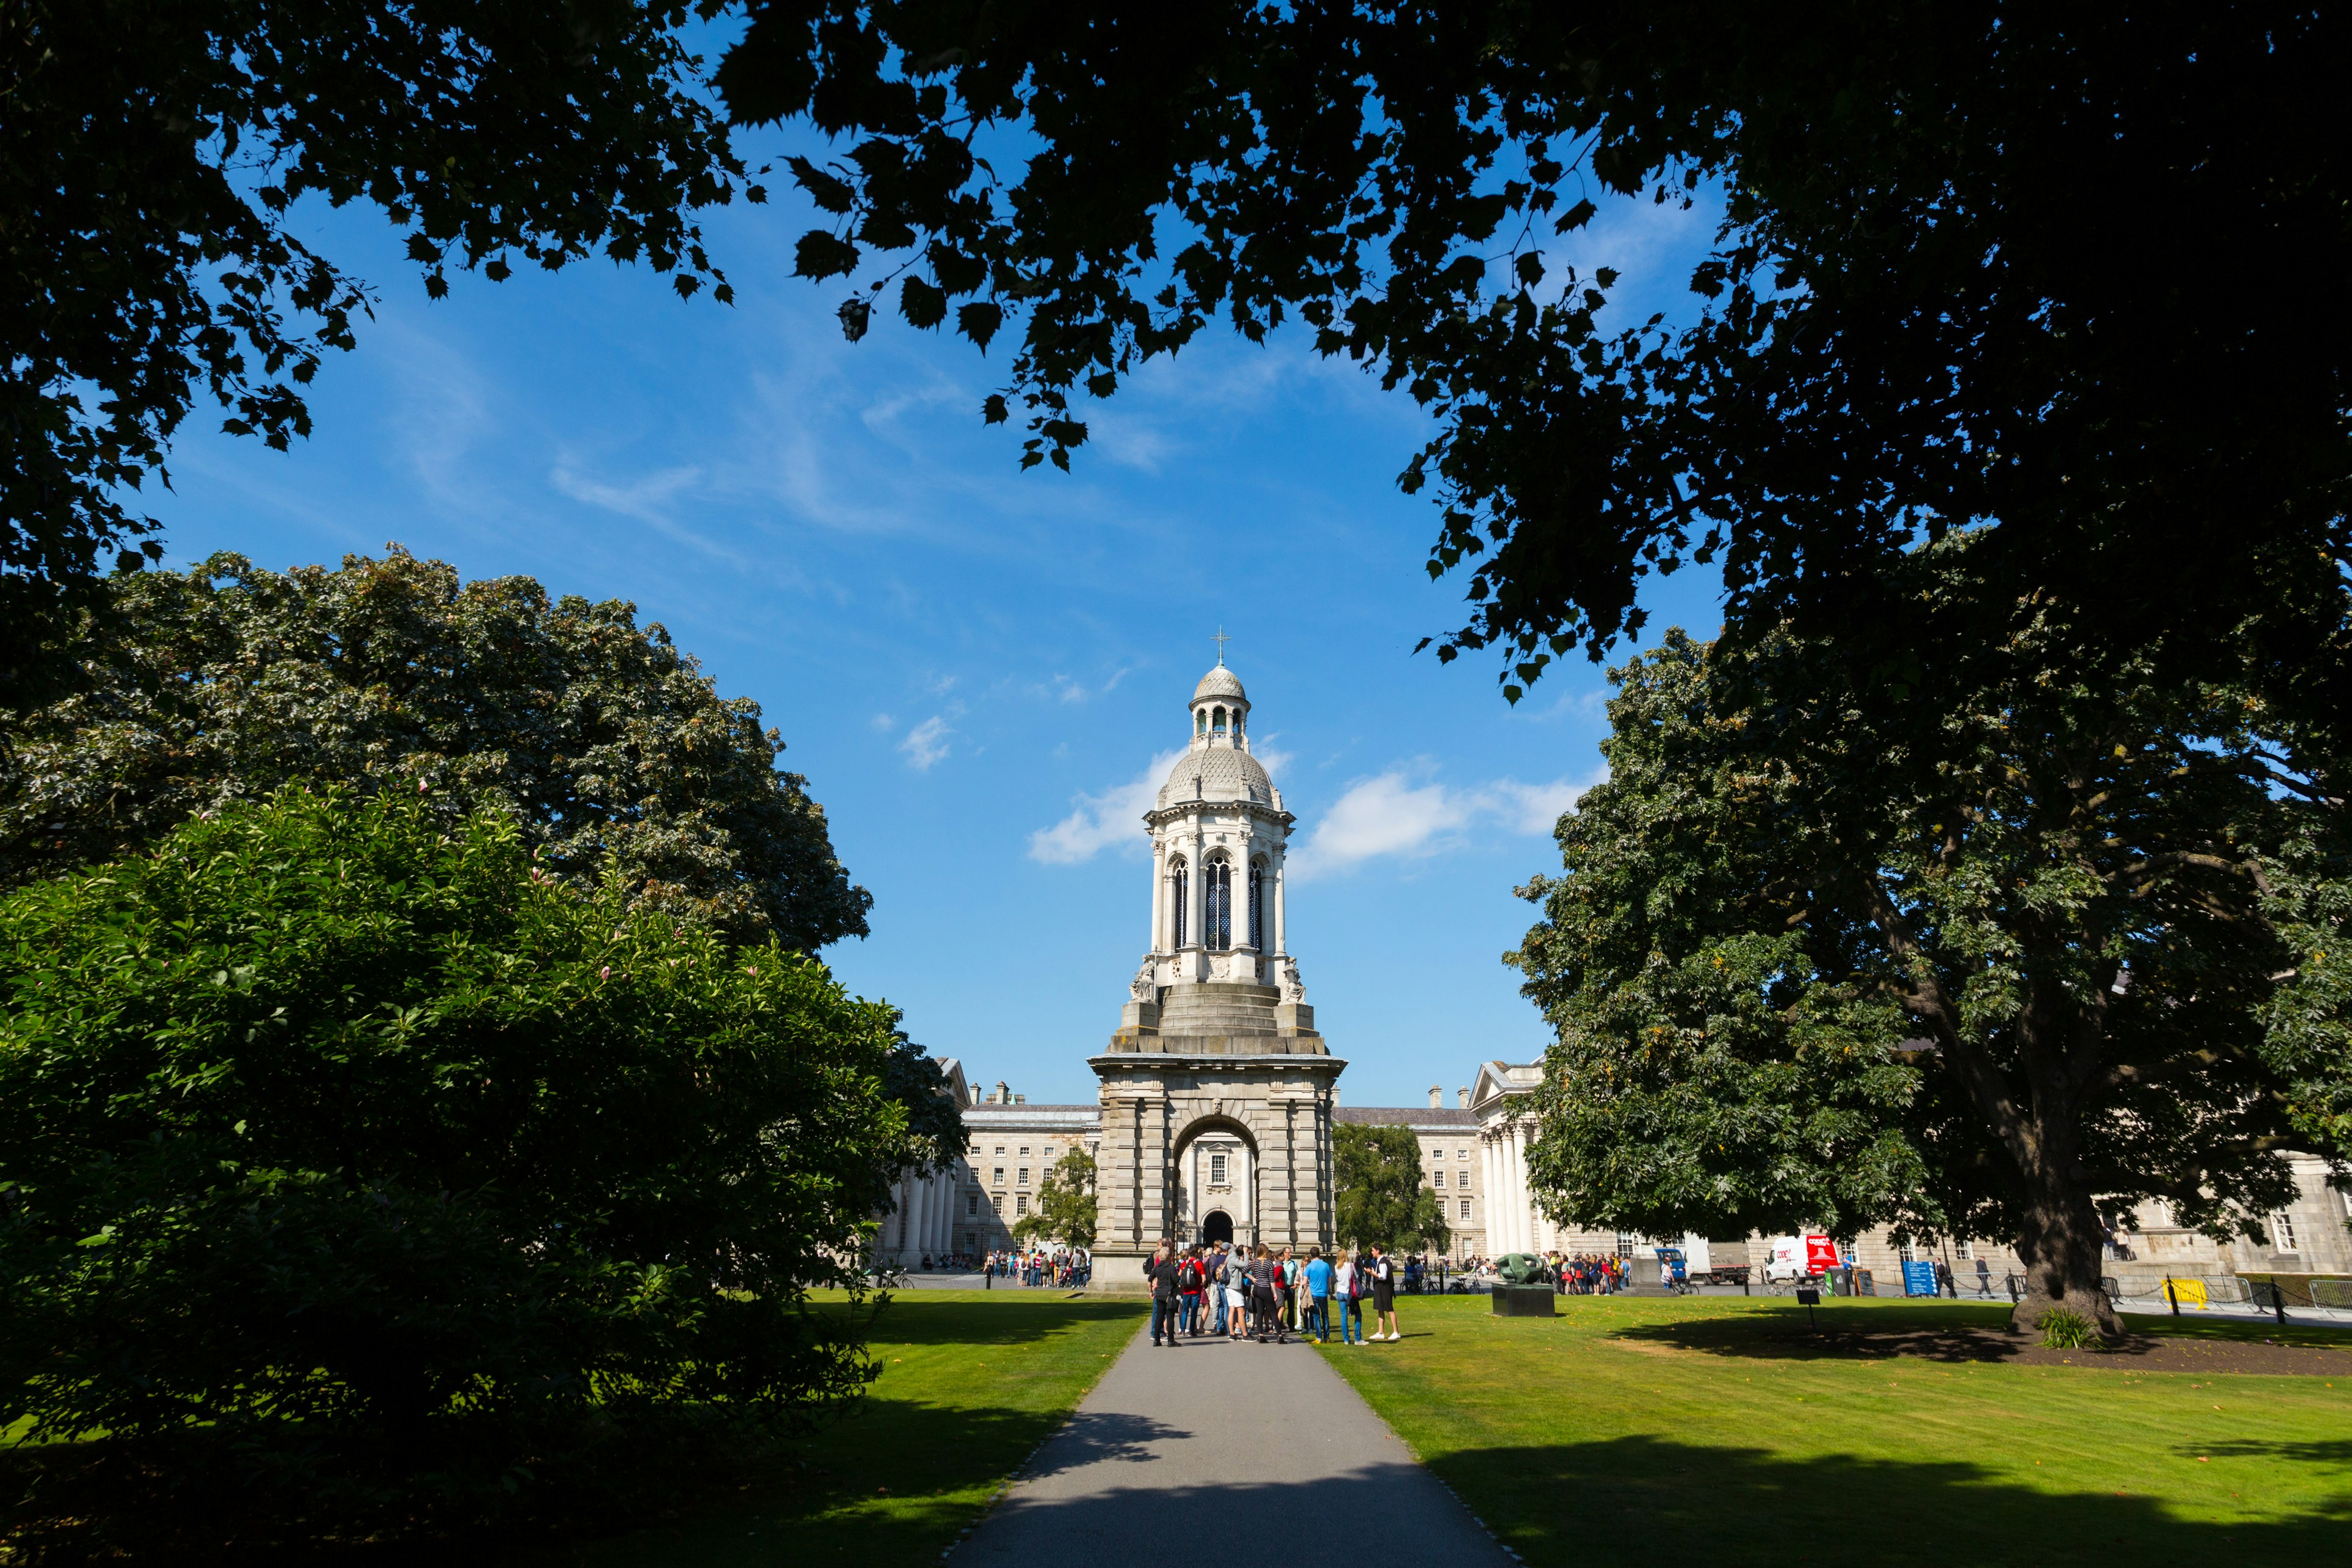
point(1318, 1294)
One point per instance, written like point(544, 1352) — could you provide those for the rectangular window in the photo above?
point(1440, 1178)
point(1216, 1169)
point(1024, 1176)
point(1025, 1151)
point(1465, 1210)
point(1048, 1150)
point(1906, 1254)
point(1021, 1202)
point(1964, 1251)
point(2283, 1232)
point(1624, 1244)
point(996, 1202)
point(1462, 1154)
point(970, 1204)
point(1000, 1151)
point(999, 1177)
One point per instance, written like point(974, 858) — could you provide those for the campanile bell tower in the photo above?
point(1216, 1091)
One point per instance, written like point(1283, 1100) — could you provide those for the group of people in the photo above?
point(1589, 1273)
point(1063, 1269)
point(1268, 1294)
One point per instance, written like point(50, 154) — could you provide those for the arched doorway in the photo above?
point(1216, 1226)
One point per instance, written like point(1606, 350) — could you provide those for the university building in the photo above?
point(1216, 1095)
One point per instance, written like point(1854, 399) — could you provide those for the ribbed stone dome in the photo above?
point(1219, 682)
point(1224, 773)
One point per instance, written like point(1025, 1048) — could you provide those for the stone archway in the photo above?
point(1213, 1164)
point(1216, 1226)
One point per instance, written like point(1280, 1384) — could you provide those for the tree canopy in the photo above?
point(2064, 273)
point(156, 162)
point(342, 1135)
point(614, 754)
point(2048, 938)
point(1381, 1196)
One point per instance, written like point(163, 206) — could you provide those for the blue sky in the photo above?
point(980, 669)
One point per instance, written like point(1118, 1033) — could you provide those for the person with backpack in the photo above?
point(1266, 1279)
point(1383, 1294)
point(1191, 1281)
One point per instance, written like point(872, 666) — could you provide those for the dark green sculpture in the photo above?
point(1520, 1268)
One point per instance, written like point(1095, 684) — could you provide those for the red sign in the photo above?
point(1820, 1255)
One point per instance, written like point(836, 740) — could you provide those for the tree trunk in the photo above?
point(2064, 1252)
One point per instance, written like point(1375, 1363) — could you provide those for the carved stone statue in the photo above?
point(1520, 1268)
point(1292, 989)
point(1144, 986)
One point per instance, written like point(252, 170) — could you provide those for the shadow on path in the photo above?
point(1749, 1506)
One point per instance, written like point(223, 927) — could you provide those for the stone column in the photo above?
point(1196, 901)
point(1242, 897)
point(943, 1229)
point(1511, 1186)
point(1274, 875)
point(1159, 895)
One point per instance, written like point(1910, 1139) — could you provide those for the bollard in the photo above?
point(2278, 1302)
point(2172, 1296)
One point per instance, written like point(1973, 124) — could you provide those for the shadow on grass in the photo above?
point(1960, 1334)
point(1753, 1505)
point(909, 1319)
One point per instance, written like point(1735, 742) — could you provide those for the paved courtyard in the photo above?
point(1245, 1442)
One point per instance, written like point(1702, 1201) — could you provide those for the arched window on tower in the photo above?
point(1217, 721)
point(1200, 720)
point(1237, 723)
point(1258, 905)
point(1219, 920)
point(1176, 890)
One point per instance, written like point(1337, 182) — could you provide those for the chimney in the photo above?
point(1436, 1098)
point(1003, 1094)
point(1462, 1098)
point(1020, 1100)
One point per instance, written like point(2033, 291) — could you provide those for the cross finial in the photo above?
point(1221, 640)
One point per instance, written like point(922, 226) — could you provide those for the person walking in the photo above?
point(1162, 1271)
point(1383, 1294)
point(1318, 1295)
point(1237, 1293)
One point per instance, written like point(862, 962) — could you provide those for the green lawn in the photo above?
point(971, 1382)
point(1691, 1427)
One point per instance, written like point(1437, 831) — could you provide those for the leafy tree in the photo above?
point(613, 755)
point(157, 158)
point(347, 1139)
point(1933, 301)
point(1066, 1203)
point(1376, 1175)
point(2048, 943)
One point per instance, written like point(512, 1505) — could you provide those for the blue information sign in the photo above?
point(1918, 1280)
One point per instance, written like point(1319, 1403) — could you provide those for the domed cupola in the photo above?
point(1221, 708)
point(1219, 838)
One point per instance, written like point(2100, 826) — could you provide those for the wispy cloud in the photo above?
point(1407, 812)
point(1103, 821)
point(927, 743)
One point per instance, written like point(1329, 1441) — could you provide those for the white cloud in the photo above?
point(882, 721)
point(1409, 814)
point(1103, 821)
point(927, 743)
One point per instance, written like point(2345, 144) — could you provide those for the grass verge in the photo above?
point(1705, 1426)
point(971, 1382)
